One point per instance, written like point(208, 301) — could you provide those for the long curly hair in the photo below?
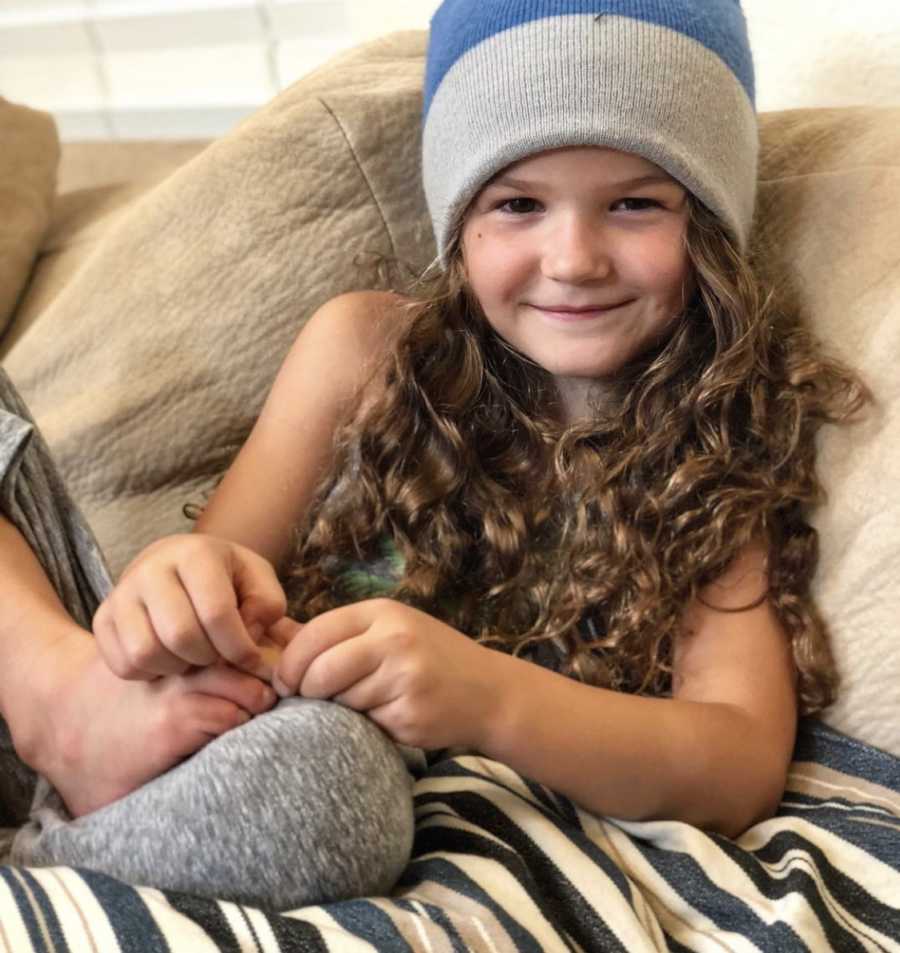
point(587, 541)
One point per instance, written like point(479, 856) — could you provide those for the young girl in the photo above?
point(586, 443)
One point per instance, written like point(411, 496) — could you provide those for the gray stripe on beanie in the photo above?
point(571, 80)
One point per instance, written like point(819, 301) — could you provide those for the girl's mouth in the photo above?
point(565, 313)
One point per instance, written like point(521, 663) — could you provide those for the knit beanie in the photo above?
point(669, 80)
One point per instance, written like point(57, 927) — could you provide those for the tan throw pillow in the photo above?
point(28, 161)
point(146, 371)
point(829, 229)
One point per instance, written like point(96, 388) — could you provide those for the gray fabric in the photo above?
point(308, 803)
point(34, 499)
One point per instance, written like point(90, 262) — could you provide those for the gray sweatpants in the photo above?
point(308, 803)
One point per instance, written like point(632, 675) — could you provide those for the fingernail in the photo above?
point(269, 696)
point(256, 630)
point(243, 718)
point(280, 687)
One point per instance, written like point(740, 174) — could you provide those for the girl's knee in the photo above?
point(339, 786)
point(307, 803)
point(328, 731)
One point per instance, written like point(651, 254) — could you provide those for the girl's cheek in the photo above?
point(665, 259)
point(472, 239)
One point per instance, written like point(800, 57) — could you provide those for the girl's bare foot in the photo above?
point(102, 737)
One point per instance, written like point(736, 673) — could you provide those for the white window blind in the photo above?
point(136, 69)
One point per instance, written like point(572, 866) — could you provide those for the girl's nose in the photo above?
point(576, 251)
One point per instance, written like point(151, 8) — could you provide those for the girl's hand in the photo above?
point(189, 600)
point(423, 682)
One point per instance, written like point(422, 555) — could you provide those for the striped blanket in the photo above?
point(502, 864)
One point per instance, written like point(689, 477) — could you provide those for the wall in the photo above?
point(825, 52)
point(192, 68)
point(160, 68)
point(374, 17)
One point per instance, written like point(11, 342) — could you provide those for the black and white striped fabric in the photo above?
point(501, 864)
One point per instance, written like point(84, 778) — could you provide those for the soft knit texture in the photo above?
point(670, 80)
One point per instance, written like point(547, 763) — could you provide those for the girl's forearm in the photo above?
point(632, 757)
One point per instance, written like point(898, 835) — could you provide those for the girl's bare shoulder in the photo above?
point(335, 352)
point(326, 374)
point(368, 320)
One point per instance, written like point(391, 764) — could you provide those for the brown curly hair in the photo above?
point(587, 541)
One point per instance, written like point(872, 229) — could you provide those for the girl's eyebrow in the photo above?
point(651, 178)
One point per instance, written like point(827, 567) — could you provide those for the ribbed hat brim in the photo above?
point(617, 81)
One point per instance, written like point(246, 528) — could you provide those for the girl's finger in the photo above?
point(388, 717)
point(338, 669)
point(174, 620)
point(260, 595)
point(319, 635)
point(283, 632)
point(368, 693)
point(130, 647)
point(214, 602)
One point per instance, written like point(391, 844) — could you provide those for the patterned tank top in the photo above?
point(377, 577)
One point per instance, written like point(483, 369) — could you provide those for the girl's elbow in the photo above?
point(738, 823)
point(753, 804)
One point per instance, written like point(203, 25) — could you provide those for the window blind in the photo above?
point(136, 69)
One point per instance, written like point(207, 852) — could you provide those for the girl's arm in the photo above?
point(193, 600)
point(715, 755)
point(268, 486)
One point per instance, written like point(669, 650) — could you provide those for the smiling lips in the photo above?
point(568, 313)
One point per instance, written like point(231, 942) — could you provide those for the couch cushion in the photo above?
point(28, 162)
point(89, 165)
point(96, 184)
point(78, 221)
point(829, 237)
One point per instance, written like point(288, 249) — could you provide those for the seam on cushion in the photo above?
point(362, 172)
point(830, 172)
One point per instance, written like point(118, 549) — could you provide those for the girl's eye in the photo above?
point(637, 204)
point(518, 206)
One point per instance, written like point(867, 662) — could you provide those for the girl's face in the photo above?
point(578, 258)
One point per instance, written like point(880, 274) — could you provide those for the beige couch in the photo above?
point(160, 284)
point(149, 295)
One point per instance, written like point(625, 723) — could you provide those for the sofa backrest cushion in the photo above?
point(828, 236)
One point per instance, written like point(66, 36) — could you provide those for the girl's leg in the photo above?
point(34, 499)
point(308, 803)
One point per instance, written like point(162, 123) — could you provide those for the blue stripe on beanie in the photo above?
point(718, 24)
